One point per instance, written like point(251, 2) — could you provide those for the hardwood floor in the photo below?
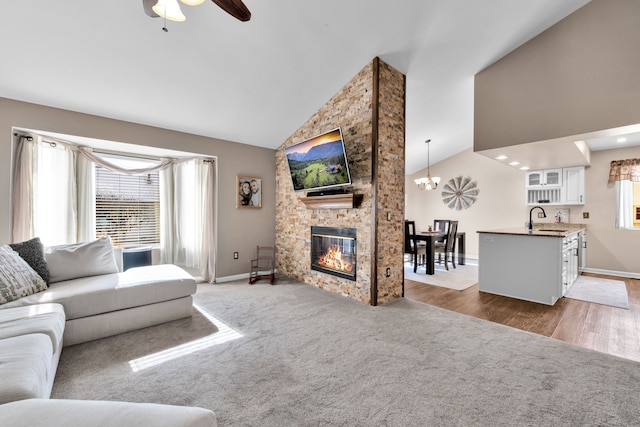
point(599, 327)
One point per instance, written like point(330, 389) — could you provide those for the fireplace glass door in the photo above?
point(333, 251)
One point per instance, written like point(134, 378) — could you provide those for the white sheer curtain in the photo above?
point(187, 191)
point(45, 193)
point(624, 205)
point(86, 196)
point(54, 199)
point(23, 212)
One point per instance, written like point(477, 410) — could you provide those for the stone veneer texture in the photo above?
point(390, 183)
point(352, 110)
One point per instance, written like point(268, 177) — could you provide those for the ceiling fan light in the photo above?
point(192, 2)
point(169, 9)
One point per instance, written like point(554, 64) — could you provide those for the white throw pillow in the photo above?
point(71, 261)
point(17, 278)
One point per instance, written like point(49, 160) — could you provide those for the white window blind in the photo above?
point(128, 207)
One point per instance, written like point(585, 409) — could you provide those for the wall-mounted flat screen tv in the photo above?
point(319, 162)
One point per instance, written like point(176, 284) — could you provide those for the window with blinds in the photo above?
point(128, 207)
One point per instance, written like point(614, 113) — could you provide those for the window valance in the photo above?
point(625, 170)
point(89, 154)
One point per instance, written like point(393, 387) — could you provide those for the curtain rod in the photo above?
point(29, 138)
point(117, 153)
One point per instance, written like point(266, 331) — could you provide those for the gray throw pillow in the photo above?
point(32, 251)
point(17, 278)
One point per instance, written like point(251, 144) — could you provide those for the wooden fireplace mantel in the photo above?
point(333, 201)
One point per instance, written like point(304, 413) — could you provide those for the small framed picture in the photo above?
point(249, 190)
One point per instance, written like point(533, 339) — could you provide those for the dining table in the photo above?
point(430, 237)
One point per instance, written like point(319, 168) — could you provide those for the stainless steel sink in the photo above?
point(555, 230)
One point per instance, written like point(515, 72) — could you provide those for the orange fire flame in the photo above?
point(333, 260)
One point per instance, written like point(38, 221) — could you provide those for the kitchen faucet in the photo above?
point(530, 223)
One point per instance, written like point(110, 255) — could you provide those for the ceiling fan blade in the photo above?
point(147, 5)
point(235, 8)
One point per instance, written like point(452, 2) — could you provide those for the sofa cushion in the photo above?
point(75, 260)
point(58, 412)
point(32, 251)
point(25, 365)
point(17, 278)
point(88, 296)
point(48, 319)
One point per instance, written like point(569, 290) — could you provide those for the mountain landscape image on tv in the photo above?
point(318, 162)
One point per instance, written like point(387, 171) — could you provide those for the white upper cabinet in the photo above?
point(544, 178)
point(573, 193)
point(563, 186)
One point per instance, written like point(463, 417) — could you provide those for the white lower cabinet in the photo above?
point(582, 250)
point(569, 261)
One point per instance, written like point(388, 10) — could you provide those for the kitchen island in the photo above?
point(537, 265)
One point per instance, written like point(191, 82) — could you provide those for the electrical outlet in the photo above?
point(235, 255)
point(585, 215)
point(388, 216)
point(540, 215)
point(388, 273)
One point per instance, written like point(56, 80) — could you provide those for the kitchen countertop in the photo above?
point(550, 230)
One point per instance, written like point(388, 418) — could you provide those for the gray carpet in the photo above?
point(308, 357)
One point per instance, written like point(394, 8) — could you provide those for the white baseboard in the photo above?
point(611, 273)
point(238, 277)
point(232, 278)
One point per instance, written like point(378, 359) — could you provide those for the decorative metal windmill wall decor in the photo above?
point(460, 193)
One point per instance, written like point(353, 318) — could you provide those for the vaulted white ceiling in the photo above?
point(257, 82)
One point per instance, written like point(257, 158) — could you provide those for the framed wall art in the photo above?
point(249, 192)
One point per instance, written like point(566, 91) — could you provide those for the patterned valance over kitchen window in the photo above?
point(625, 170)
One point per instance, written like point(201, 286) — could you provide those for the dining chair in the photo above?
point(417, 249)
point(440, 225)
point(448, 246)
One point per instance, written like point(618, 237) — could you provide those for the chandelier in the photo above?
point(428, 183)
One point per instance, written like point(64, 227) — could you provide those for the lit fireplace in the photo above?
point(333, 251)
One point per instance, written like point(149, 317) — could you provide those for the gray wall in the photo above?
point(579, 76)
point(238, 229)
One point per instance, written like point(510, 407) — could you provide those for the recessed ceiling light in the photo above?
point(623, 139)
point(524, 168)
point(514, 163)
point(501, 157)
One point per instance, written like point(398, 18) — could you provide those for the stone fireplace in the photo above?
point(370, 110)
point(333, 251)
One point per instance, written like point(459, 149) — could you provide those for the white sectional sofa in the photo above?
point(100, 300)
point(85, 413)
point(110, 304)
point(30, 347)
point(87, 297)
